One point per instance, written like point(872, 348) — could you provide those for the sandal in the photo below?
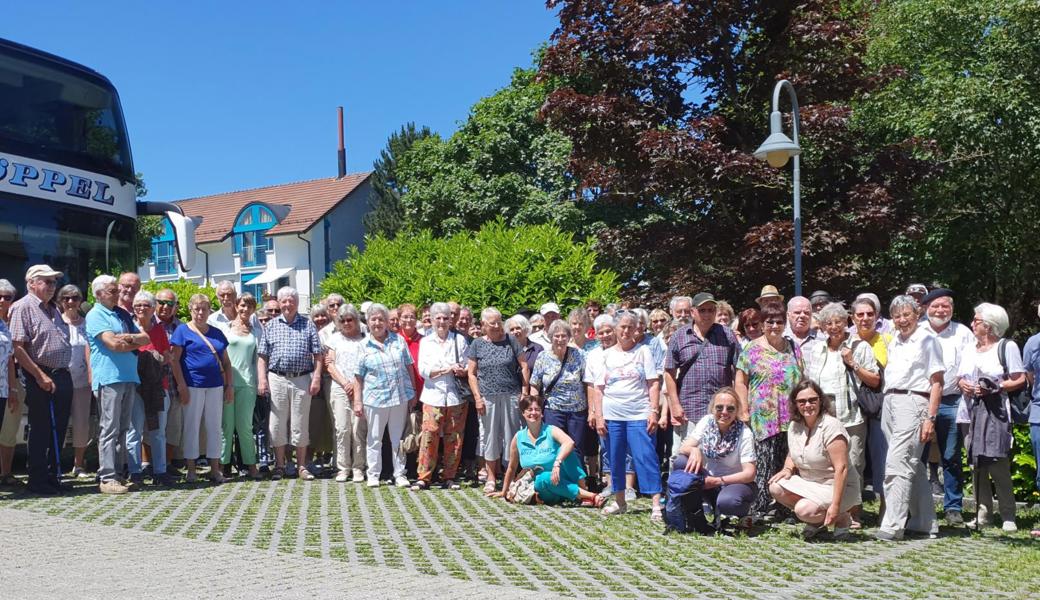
point(489, 487)
point(615, 509)
point(277, 473)
point(451, 484)
point(11, 480)
point(419, 486)
point(854, 524)
point(656, 515)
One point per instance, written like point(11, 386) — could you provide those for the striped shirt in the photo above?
point(386, 372)
point(39, 325)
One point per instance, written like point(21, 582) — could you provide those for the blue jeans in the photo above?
point(1034, 436)
point(156, 438)
point(948, 435)
point(631, 437)
point(574, 423)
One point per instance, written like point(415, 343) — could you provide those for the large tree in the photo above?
point(386, 216)
point(664, 102)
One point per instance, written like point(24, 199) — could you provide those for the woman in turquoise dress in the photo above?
point(549, 452)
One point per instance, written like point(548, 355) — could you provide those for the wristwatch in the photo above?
point(932, 418)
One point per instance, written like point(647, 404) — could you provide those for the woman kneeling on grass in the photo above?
point(549, 452)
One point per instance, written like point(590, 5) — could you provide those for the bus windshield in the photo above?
point(52, 111)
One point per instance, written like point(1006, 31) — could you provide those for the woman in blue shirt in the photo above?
point(549, 452)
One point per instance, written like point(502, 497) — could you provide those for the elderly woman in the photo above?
point(243, 338)
point(549, 453)
point(628, 393)
point(557, 378)
point(10, 405)
point(384, 392)
point(497, 374)
point(581, 326)
point(203, 373)
point(749, 326)
point(319, 421)
point(724, 314)
point(767, 370)
point(150, 407)
point(841, 366)
point(595, 452)
point(913, 389)
point(658, 319)
point(520, 328)
point(70, 299)
point(816, 481)
point(344, 351)
point(722, 446)
point(537, 323)
point(444, 408)
point(988, 371)
point(864, 319)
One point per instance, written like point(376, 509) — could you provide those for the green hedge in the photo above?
point(509, 268)
point(184, 289)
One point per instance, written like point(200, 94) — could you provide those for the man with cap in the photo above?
point(769, 294)
point(819, 299)
point(917, 291)
point(550, 311)
point(701, 358)
point(954, 338)
point(41, 346)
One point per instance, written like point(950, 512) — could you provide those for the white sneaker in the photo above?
point(402, 482)
point(359, 475)
point(79, 473)
point(981, 519)
point(1009, 527)
point(630, 495)
point(373, 483)
point(342, 477)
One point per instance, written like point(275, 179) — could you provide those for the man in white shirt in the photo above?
point(799, 323)
point(550, 311)
point(953, 338)
point(228, 297)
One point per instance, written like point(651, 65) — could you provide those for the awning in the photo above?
point(268, 276)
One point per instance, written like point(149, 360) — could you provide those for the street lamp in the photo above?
point(777, 150)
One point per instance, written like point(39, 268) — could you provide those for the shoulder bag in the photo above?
point(1019, 399)
point(462, 381)
point(206, 341)
point(552, 384)
point(869, 399)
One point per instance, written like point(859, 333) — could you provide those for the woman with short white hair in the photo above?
point(497, 375)
point(344, 350)
point(987, 372)
point(9, 389)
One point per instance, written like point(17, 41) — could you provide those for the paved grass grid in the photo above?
point(555, 551)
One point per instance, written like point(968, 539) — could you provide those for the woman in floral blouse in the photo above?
point(767, 370)
point(557, 377)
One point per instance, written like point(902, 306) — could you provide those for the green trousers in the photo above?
point(238, 417)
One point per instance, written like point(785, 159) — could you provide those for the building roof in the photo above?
point(308, 202)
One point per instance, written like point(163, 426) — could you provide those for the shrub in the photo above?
point(509, 268)
point(184, 289)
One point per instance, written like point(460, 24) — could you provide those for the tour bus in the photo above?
point(68, 193)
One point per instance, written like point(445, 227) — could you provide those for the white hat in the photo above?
point(41, 271)
point(549, 307)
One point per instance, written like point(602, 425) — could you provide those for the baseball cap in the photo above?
point(549, 307)
point(41, 271)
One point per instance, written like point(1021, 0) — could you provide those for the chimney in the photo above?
point(342, 150)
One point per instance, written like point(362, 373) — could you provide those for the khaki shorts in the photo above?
point(9, 431)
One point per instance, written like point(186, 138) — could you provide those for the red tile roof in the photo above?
point(309, 201)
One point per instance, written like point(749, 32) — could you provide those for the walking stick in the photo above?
point(54, 434)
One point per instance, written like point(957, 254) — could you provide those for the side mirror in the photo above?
point(184, 234)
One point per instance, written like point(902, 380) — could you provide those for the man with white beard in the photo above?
point(953, 338)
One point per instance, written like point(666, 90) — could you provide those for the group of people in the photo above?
point(784, 408)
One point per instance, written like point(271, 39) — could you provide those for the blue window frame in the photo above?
point(164, 251)
point(256, 290)
point(249, 241)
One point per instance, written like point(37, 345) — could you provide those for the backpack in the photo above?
point(684, 505)
point(1019, 399)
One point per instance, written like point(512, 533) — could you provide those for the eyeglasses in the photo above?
point(809, 400)
point(138, 306)
point(536, 327)
point(774, 322)
point(6, 297)
point(272, 311)
point(658, 320)
point(166, 302)
point(347, 319)
point(725, 408)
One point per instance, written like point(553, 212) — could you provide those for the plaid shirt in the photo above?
point(45, 334)
point(712, 369)
point(386, 372)
point(289, 347)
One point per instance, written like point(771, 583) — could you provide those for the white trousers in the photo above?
point(206, 406)
point(379, 419)
point(351, 433)
point(908, 496)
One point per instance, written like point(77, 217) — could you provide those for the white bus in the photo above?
point(67, 183)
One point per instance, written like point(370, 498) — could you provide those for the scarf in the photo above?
point(715, 444)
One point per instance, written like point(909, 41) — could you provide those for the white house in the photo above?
point(266, 238)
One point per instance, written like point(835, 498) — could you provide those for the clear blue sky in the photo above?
point(220, 96)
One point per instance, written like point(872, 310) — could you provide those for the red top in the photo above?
point(413, 349)
point(161, 344)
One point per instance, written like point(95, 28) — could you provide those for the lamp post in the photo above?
point(777, 150)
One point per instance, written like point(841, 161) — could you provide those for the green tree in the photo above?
point(386, 216)
point(184, 290)
point(507, 267)
point(148, 226)
point(964, 76)
point(502, 162)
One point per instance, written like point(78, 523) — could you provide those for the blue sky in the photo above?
point(220, 97)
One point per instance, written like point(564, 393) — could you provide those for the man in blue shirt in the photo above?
point(114, 370)
point(1031, 361)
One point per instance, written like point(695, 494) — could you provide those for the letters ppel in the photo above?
point(48, 180)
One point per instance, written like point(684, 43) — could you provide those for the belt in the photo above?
point(292, 374)
point(921, 394)
point(51, 371)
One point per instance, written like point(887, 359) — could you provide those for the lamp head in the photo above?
point(778, 148)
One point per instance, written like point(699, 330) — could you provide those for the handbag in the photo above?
point(412, 432)
point(462, 381)
point(1019, 399)
point(206, 341)
point(521, 490)
point(870, 399)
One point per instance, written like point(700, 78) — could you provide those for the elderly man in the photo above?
point(270, 311)
point(768, 294)
point(701, 358)
point(166, 313)
point(41, 346)
point(799, 323)
point(819, 299)
point(681, 308)
point(290, 367)
point(228, 312)
point(550, 311)
point(114, 377)
point(954, 339)
point(129, 285)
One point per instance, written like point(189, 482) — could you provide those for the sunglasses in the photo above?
point(725, 408)
point(810, 400)
point(272, 311)
point(774, 322)
point(6, 297)
point(658, 320)
point(166, 302)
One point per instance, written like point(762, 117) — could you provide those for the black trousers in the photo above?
point(48, 422)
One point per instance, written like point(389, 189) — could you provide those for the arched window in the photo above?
point(164, 251)
point(249, 241)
